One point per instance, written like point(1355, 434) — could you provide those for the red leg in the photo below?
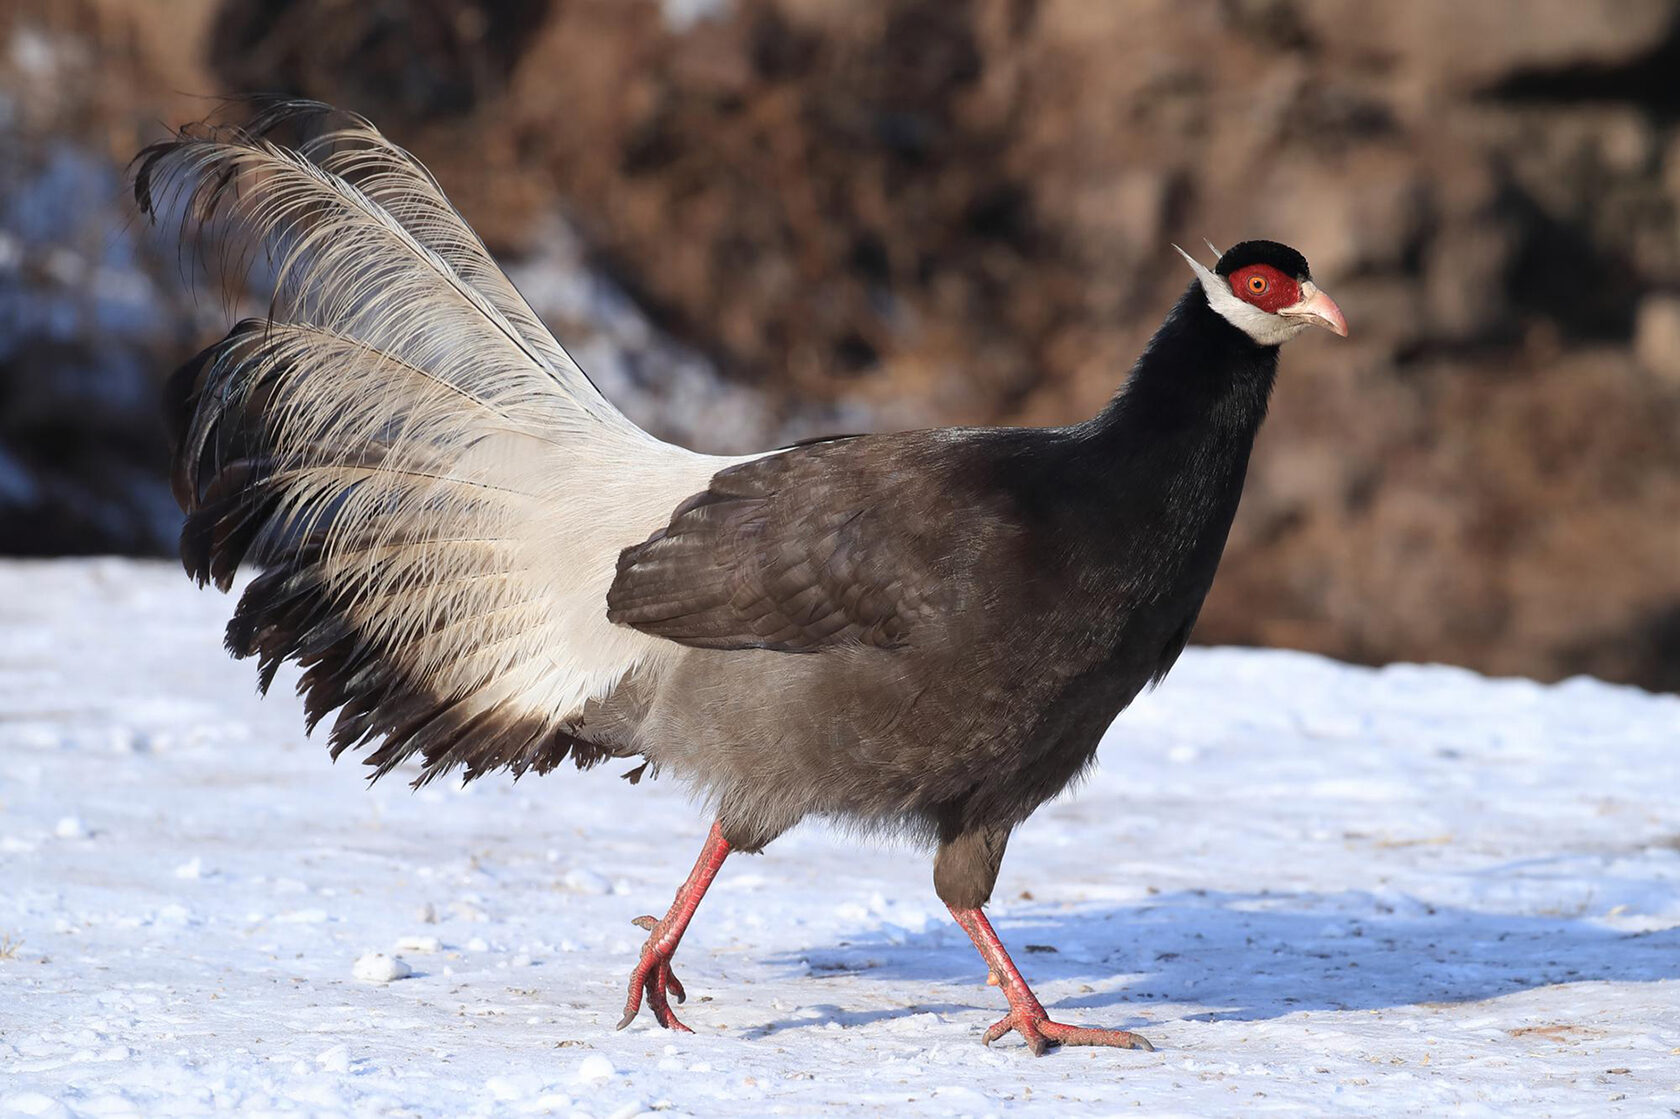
point(653, 973)
point(1026, 1014)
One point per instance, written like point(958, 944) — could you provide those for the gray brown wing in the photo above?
point(800, 551)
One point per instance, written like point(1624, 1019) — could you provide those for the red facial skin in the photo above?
point(1265, 287)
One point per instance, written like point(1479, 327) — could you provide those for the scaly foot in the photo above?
point(1026, 1014)
point(653, 976)
point(1041, 1034)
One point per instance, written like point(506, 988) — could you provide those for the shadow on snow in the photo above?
point(1246, 957)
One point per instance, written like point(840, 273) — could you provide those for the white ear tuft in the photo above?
point(1206, 275)
point(1216, 253)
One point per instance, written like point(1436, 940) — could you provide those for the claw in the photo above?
point(653, 978)
point(1026, 1014)
point(1042, 1034)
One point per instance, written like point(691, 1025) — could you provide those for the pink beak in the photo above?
point(1318, 309)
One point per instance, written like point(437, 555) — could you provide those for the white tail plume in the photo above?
point(437, 489)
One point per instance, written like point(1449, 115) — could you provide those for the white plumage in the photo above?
point(441, 472)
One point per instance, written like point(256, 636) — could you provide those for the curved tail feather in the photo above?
point(436, 491)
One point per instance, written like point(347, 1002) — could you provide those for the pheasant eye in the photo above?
point(1258, 285)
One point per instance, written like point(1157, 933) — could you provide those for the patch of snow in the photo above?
point(596, 1069)
point(583, 881)
point(33, 53)
point(16, 486)
point(1314, 887)
point(680, 15)
point(377, 967)
point(336, 1059)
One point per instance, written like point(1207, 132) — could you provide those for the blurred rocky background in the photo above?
point(756, 220)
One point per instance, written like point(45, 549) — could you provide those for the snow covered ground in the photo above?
point(1316, 888)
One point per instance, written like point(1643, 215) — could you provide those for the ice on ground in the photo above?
point(1315, 888)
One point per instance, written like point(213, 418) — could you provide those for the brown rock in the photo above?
point(1656, 336)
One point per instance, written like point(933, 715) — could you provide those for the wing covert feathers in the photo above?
point(436, 492)
point(785, 553)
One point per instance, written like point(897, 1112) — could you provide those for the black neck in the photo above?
point(1163, 465)
point(1198, 377)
